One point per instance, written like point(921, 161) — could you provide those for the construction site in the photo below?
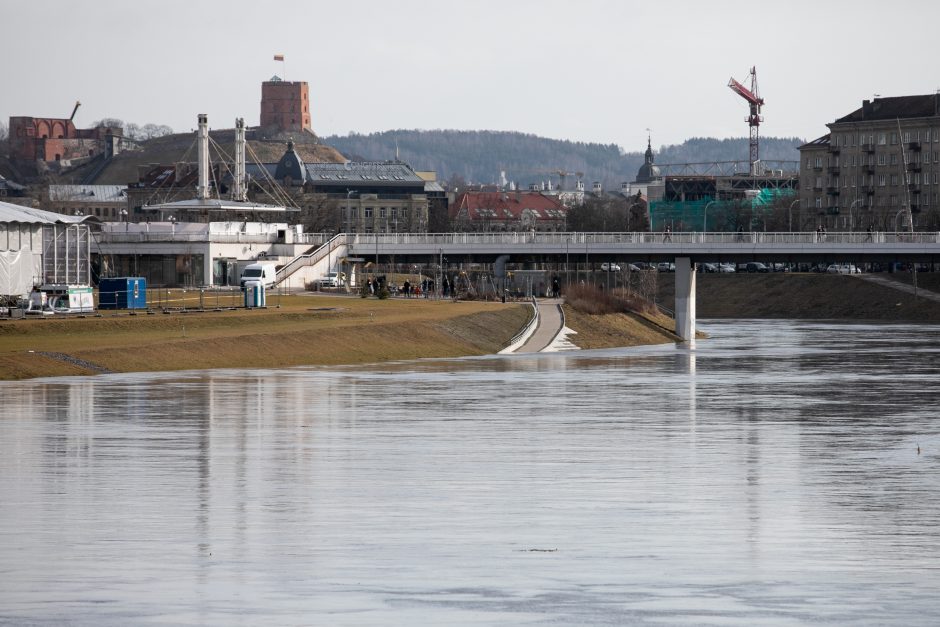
point(750, 195)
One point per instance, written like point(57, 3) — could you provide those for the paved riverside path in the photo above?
point(898, 285)
point(550, 324)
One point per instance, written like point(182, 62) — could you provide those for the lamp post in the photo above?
point(852, 214)
point(705, 215)
point(896, 216)
point(124, 218)
point(790, 215)
point(567, 273)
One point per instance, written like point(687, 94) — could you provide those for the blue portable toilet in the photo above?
point(122, 293)
point(254, 294)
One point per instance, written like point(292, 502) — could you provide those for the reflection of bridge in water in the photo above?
point(685, 249)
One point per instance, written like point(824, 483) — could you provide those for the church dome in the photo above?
point(648, 172)
point(291, 166)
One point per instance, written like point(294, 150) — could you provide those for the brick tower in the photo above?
point(285, 105)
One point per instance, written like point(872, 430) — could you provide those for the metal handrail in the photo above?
point(526, 329)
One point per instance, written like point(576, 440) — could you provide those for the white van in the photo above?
point(264, 272)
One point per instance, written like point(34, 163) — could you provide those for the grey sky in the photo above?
point(590, 70)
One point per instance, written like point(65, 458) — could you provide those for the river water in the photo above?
point(769, 476)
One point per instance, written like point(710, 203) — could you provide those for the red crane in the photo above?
point(754, 119)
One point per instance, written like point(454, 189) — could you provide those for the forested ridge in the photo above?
point(480, 156)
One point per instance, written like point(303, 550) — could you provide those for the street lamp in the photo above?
point(790, 215)
point(124, 218)
point(852, 215)
point(896, 216)
point(705, 216)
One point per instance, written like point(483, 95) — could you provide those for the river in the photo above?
point(781, 472)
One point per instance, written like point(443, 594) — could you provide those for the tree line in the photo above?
point(478, 157)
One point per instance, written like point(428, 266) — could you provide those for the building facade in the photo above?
point(36, 142)
point(507, 211)
point(875, 164)
point(285, 106)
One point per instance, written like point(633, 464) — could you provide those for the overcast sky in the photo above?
point(591, 70)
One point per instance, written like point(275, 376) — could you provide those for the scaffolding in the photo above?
point(710, 214)
point(66, 254)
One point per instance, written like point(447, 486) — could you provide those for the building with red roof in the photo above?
point(507, 211)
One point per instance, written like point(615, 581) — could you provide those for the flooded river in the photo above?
point(779, 473)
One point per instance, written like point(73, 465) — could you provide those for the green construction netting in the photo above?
point(721, 215)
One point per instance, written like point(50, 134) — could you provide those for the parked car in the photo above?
point(726, 267)
point(609, 267)
point(632, 267)
point(332, 279)
point(756, 266)
point(779, 267)
point(666, 267)
point(637, 266)
point(708, 267)
point(843, 268)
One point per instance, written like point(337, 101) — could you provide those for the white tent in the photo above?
point(40, 247)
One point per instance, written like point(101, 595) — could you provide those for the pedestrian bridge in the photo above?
point(684, 249)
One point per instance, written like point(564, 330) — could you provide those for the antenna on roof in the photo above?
point(396, 151)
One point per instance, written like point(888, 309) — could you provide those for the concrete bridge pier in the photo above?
point(685, 298)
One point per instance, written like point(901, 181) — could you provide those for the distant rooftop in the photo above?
point(894, 108)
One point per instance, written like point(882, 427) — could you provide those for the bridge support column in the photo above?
point(685, 298)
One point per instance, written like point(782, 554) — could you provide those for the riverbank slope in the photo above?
point(304, 330)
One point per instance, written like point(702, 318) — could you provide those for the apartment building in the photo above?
point(875, 163)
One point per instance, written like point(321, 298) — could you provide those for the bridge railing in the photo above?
point(574, 240)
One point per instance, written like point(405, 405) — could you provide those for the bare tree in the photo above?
point(4, 132)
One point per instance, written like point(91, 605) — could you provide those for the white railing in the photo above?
point(363, 240)
point(169, 236)
point(309, 259)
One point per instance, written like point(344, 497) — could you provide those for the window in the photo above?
point(818, 163)
point(894, 159)
point(368, 213)
point(894, 139)
point(394, 212)
point(854, 180)
point(818, 202)
point(882, 139)
point(894, 201)
point(382, 212)
point(881, 159)
point(354, 212)
point(882, 179)
point(894, 179)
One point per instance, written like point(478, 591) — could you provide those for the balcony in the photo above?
point(914, 166)
point(833, 211)
point(869, 148)
point(915, 146)
point(834, 149)
point(833, 169)
point(868, 169)
point(868, 189)
point(832, 190)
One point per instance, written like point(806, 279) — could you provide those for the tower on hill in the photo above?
point(285, 105)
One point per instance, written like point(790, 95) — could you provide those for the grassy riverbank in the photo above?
point(304, 330)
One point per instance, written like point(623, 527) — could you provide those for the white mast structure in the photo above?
point(239, 192)
point(202, 189)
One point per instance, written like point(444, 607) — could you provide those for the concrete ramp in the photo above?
point(551, 324)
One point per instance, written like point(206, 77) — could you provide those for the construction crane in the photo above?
point(77, 105)
point(754, 119)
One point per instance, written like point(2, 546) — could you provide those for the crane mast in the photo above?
point(752, 96)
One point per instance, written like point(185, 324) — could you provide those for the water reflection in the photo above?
point(767, 475)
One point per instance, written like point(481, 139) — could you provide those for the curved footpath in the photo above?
point(551, 335)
